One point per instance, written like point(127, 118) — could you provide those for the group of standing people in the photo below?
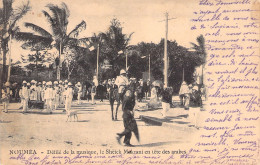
point(38, 94)
point(190, 95)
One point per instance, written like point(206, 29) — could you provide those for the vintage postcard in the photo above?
point(129, 82)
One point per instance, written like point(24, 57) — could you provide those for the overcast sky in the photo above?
point(143, 17)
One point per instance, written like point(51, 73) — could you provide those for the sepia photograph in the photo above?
point(129, 82)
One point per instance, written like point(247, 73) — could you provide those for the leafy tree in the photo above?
point(115, 41)
point(58, 20)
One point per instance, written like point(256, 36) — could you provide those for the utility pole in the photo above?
point(126, 61)
point(165, 52)
point(165, 72)
point(149, 68)
point(58, 67)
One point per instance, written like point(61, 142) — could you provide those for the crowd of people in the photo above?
point(53, 95)
point(38, 94)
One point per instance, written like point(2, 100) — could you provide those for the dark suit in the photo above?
point(128, 118)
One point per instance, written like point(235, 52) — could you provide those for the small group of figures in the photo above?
point(191, 95)
point(52, 94)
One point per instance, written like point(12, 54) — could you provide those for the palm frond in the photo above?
point(194, 46)
point(1, 18)
point(80, 27)
point(18, 13)
point(38, 29)
point(65, 7)
point(60, 17)
point(49, 18)
point(30, 37)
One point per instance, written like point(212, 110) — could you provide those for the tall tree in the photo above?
point(58, 20)
point(8, 20)
point(38, 59)
point(201, 52)
point(115, 41)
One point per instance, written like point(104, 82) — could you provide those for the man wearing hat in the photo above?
point(79, 90)
point(33, 90)
point(69, 97)
point(24, 95)
point(121, 81)
point(48, 96)
point(56, 94)
point(6, 96)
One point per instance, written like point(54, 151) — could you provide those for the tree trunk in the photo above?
point(36, 62)
point(4, 48)
point(1, 75)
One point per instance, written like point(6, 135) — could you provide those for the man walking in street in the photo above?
point(128, 117)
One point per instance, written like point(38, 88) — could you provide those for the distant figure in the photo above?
point(6, 96)
point(99, 92)
point(88, 93)
point(61, 96)
point(25, 95)
point(139, 91)
point(49, 96)
point(166, 101)
point(122, 81)
point(69, 97)
point(56, 95)
point(195, 100)
point(33, 90)
point(184, 95)
point(43, 90)
point(146, 89)
point(93, 93)
point(79, 91)
point(39, 91)
point(154, 100)
point(195, 104)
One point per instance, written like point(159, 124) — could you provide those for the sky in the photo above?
point(143, 17)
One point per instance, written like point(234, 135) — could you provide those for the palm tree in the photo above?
point(201, 51)
point(8, 19)
point(115, 41)
point(58, 37)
